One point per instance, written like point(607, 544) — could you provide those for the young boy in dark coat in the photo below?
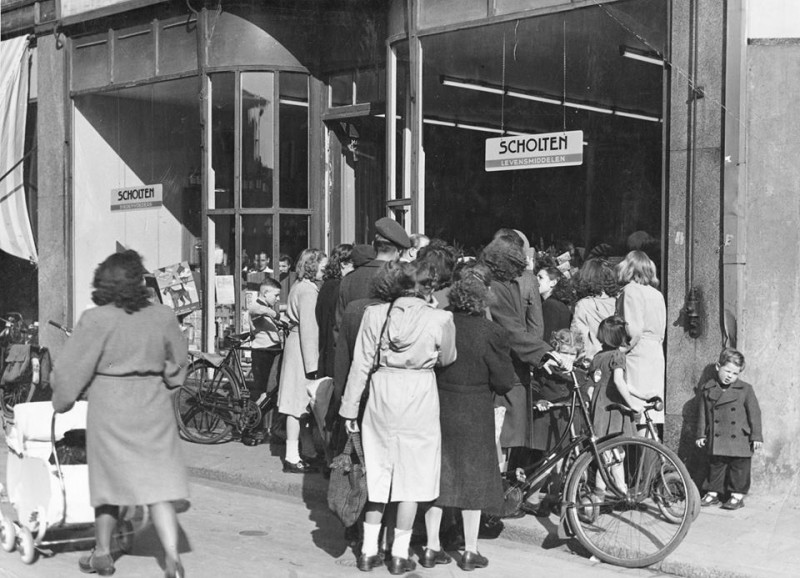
point(729, 426)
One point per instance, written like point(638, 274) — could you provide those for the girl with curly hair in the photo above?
point(300, 355)
point(129, 353)
point(597, 290)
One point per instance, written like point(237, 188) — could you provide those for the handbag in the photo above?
point(347, 487)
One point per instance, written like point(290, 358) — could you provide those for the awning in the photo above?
point(16, 237)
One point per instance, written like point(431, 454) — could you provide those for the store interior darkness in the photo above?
point(574, 56)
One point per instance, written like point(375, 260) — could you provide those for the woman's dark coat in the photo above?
point(470, 477)
point(326, 318)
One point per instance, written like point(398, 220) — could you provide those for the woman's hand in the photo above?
point(351, 426)
point(543, 405)
point(701, 443)
point(757, 446)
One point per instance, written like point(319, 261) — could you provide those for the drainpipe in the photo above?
point(691, 308)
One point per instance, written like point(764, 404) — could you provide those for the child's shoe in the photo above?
point(710, 500)
point(733, 504)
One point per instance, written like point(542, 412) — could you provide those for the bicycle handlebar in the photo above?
point(63, 328)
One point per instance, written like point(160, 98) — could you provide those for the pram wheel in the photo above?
point(8, 534)
point(25, 546)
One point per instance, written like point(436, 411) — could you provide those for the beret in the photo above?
point(392, 231)
point(362, 254)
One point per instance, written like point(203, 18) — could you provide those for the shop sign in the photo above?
point(138, 197)
point(534, 151)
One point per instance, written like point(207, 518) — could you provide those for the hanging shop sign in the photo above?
point(534, 151)
point(138, 197)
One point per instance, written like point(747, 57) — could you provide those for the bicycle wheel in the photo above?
point(630, 529)
point(206, 404)
point(12, 394)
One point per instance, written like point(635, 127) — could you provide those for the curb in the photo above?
point(314, 488)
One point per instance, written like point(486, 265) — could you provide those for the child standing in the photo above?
point(267, 344)
point(729, 426)
point(609, 385)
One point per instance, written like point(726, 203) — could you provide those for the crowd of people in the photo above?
point(435, 358)
point(444, 364)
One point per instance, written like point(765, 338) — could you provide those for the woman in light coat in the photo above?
point(128, 353)
point(300, 355)
point(402, 439)
point(597, 290)
point(642, 306)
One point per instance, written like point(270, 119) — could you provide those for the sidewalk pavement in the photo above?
point(760, 540)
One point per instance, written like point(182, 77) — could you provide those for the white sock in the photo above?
point(712, 494)
point(402, 540)
point(370, 545)
point(292, 451)
point(737, 496)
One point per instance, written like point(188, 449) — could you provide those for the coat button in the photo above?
point(732, 436)
point(733, 423)
point(716, 421)
point(716, 435)
point(733, 409)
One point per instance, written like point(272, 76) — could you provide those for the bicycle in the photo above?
point(28, 378)
point(214, 402)
point(626, 499)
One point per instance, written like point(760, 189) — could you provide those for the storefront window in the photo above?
point(294, 235)
point(258, 261)
point(258, 138)
point(223, 281)
point(223, 139)
point(535, 76)
point(294, 140)
point(136, 178)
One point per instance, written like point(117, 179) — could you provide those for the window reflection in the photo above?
point(294, 140)
point(223, 139)
point(257, 138)
point(294, 235)
point(257, 258)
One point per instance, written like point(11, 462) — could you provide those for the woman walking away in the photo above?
point(300, 355)
point(128, 352)
point(404, 340)
point(642, 306)
point(470, 470)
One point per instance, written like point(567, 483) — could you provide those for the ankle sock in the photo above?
point(402, 539)
point(370, 545)
point(292, 451)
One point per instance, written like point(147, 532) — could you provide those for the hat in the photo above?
point(393, 232)
point(362, 254)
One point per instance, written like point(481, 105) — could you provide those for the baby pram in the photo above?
point(51, 498)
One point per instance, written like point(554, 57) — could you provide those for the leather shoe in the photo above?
point(431, 558)
point(300, 467)
point(400, 565)
point(100, 565)
point(367, 563)
point(709, 500)
point(733, 504)
point(471, 560)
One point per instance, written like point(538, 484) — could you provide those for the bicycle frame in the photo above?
point(537, 473)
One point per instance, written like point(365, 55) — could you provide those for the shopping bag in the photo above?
point(347, 488)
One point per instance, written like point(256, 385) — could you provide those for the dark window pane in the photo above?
point(222, 139)
point(370, 85)
point(258, 138)
point(134, 55)
point(294, 235)
point(341, 89)
point(294, 142)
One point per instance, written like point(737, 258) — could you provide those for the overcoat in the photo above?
point(400, 428)
point(326, 318)
point(643, 309)
point(470, 474)
point(729, 418)
point(301, 352)
point(518, 308)
point(128, 361)
point(555, 315)
point(356, 285)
